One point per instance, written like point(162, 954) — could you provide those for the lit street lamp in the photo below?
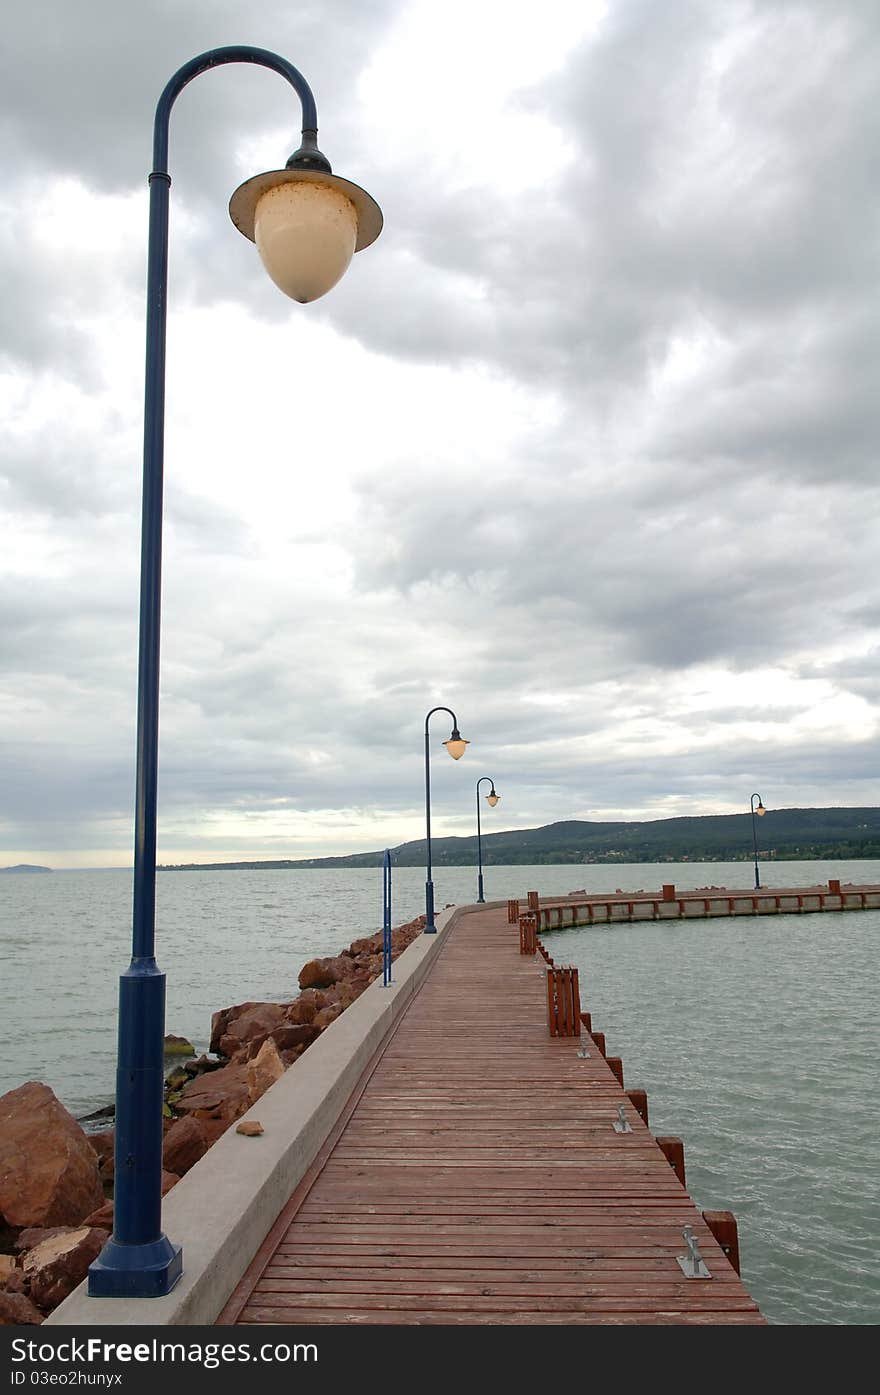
point(491, 799)
point(306, 223)
point(760, 811)
point(455, 746)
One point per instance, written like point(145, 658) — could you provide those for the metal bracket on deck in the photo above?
point(692, 1265)
point(583, 1052)
point(621, 1125)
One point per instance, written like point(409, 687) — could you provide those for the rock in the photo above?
point(251, 1128)
point(177, 1046)
point(222, 1094)
point(48, 1168)
point(7, 1267)
point(34, 1234)
point(320, 973)
point(222, 1021)
point(327, 1015)
point(103, 1217)
point(252, 1025)
point(297, 1034)
point(18, 1311)
point(184, 1144)
point(303, 1009)
point(372, 944)
point(103, 1144)
point(264, 1070)
point(55, 1267)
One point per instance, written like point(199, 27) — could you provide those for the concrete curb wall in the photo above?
point(223, 1208)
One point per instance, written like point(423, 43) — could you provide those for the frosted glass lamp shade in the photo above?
point(305, 235)
point(760, 811)
point(306, 225)
point(455, 745)
point(492, 799)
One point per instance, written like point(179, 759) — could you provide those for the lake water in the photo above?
point(755, 1038)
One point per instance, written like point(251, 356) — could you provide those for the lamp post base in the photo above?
point(430, 927)
point(136, 1271)
point(480, 897)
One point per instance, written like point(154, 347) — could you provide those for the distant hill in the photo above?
point(786, 834)
point(25, 867)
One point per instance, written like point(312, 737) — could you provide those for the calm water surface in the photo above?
point(755, 1038)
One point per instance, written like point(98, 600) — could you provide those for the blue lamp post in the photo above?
point(306, 223)
point(760, 811)
point(491, 799)
point(455, 746)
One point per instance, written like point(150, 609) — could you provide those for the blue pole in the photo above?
point(139, 1261)
point(386, 919)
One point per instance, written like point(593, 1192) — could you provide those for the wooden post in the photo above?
point(587, 1021)
point(528, 934)
point(563, 1003)
point(513, 912)
point(616, 1064)
point(599, 1039)
point(534, 902)
point(723, 1226)
point(638, 1098)
point(672, 1149)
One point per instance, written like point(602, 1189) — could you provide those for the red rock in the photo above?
point(264, 1070)
point(327, 1015)
point(103, 1144)
point(303, 1009)
point(184, 1144)
point(372, 944)
point(252, 1025)
point(299, 1034)
point(18, 1311)
point(55, 1267)
point(33, 1235)
point(219, 1093)
point(48, 1168)
point(103, 1217)
point(320, 973)
point(7, 1269)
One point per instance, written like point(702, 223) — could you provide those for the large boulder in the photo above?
point(18, 1311)
point(320, 973)
point(251, 1023)
point(55, 1267)
point(183, 1145)
point(220, 1094)
point(48, 1169)
point(264, 1070)
point(303, 1008)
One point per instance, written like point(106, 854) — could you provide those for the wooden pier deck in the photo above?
point(476, 1177)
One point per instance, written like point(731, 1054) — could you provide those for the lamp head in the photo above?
point(307, 223)
point(492, 798)
point(456, 744)
point(760, 810)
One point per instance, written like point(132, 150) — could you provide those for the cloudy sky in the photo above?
point(582, 447)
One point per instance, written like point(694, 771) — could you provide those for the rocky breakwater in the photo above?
point(56, 1181)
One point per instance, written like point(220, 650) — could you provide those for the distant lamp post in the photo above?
point(455, 746)
point(760, 811)
point(491, 799)
point(306, 223)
